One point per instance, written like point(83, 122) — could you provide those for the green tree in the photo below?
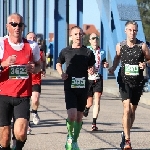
point(144, 8)
point(86, 39)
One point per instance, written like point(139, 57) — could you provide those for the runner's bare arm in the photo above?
point(64, 76)
point(59, 68)
point(116, 60)
point(105, 64)
point(9, 61)
point(146, 52)
point(43, 62)
point(36, 57)
point(37, 66)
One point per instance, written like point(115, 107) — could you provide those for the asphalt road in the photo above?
point(51, 133)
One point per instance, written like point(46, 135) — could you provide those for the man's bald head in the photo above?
point(14, 15)
point(15, 25)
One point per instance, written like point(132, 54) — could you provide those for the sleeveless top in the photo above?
point(100, 55)
point(129, 72)
point(36, 78)
point(14, 80)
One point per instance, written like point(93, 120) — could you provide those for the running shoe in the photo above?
point(36, 118)
point(123, 140)
point(127, 145)
point(69, 142)
point(94, 127)
point(29, 130)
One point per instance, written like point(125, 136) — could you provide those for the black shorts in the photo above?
point(76, 98)
point(36, 88)
point(134, 93)
point(19, 106)
point(95, 86)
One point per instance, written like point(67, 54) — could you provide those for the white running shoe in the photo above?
point(29, 130)
point(36, 118)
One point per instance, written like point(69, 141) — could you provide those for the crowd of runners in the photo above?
point(22, 63)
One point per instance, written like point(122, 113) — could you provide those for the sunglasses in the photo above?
point(93, 38)
point(14, 24)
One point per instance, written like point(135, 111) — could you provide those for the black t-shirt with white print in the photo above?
point(77, 61)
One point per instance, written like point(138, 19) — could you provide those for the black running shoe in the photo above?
point(94, 127)
point(86, 112)
point(123, 140)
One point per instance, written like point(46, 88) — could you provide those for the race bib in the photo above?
point(78, 82)
point(18, 72)
point(132, 70)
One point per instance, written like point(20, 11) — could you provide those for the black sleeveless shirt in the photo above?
point(129, 71)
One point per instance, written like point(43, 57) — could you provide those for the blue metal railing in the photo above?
point(107, 32)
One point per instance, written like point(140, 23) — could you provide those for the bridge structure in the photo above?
point(113, 15)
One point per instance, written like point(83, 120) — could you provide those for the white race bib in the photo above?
point(78, 82)
point(132, 70)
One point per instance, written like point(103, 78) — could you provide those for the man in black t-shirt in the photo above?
point(78, 60)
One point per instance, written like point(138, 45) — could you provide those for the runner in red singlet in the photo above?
point(36, 83)
point(19, 58)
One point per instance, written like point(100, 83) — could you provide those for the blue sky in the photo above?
point(91, 14)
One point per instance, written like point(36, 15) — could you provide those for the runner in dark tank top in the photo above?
point(132, 53)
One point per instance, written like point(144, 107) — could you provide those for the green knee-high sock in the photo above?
point(70, 126)
point(77, 128)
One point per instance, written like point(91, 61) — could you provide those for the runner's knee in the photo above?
point(20, 129)
point(5, 136)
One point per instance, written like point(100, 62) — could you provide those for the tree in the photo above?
point(86, 39)
point(144, 8)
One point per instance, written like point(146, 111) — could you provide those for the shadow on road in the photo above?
point(52, 82)
point(48, 123)
point(116, 149)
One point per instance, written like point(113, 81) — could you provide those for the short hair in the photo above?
point(31, 32)
point(131, 22)
point(14, 14)
point(92, 34)
point(76, 27)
